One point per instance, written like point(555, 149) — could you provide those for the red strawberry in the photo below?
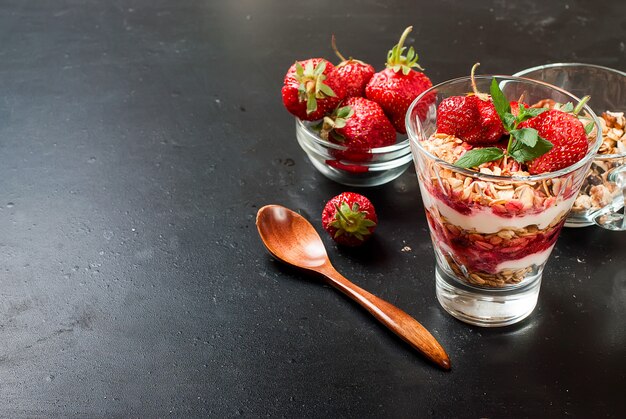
point(311, 89)
point(398, 85)
point(360, 125)
point(567, 135)
point(349, 218)
point(515, 107)
point(353, 74)
point(470, 118)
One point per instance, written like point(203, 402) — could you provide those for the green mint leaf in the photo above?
point(589, 128)
point(532, 112)
point(568, 107)
point(478, 156)
point(528, 136)
point(522, 153)
point(527, 113)
point(508, 120)
point(500, 102)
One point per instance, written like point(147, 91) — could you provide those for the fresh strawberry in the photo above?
point(359, 125)
point(398, 85)
point(459, 116)
point(349, 218)
point(353, 74)
point(311, 89)
point(567, 135)
point(472, 118)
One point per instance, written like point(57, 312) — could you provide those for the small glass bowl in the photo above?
point(363, 168)
point(602, 192)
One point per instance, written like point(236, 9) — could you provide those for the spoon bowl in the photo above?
point(290, 238)
point(275, 223)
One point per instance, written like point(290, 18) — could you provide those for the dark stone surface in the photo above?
point(137, 141)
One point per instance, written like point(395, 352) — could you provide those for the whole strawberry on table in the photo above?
point(349, 218)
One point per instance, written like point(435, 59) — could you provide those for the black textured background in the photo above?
point(139, 138)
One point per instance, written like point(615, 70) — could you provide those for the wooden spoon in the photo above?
point(291, 238)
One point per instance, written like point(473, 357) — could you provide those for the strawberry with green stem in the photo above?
point(349, 218)
point(472, 118)
point(311, 89)
point(523, 144)
point(353, 74)
point(359, 125)
point(395, 88)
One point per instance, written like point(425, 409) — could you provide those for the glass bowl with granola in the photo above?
point(602, 193)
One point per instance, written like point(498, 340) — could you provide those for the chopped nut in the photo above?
point(597, 191)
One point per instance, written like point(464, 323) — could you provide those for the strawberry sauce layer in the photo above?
point(483, 253)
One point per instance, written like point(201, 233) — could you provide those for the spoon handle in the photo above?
point(403, 325)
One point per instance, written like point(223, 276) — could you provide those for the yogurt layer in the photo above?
point(535, 259)
point(484, 220)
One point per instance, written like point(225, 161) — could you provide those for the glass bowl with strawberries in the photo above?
point(601, 198)
point(352, 166)
point(350, 118)
point(497, 180)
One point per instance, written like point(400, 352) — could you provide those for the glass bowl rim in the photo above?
point(521, 73)
point(591, 154)
point(404, 144)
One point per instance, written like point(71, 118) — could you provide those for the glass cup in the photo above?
point(602, 195)
point(491, 234)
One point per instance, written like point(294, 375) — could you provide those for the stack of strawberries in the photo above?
point(358, 108)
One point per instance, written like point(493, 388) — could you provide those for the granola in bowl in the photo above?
point(600, 194)
point(598, 190)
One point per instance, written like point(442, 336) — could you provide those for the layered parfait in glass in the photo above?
point(498, 178)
